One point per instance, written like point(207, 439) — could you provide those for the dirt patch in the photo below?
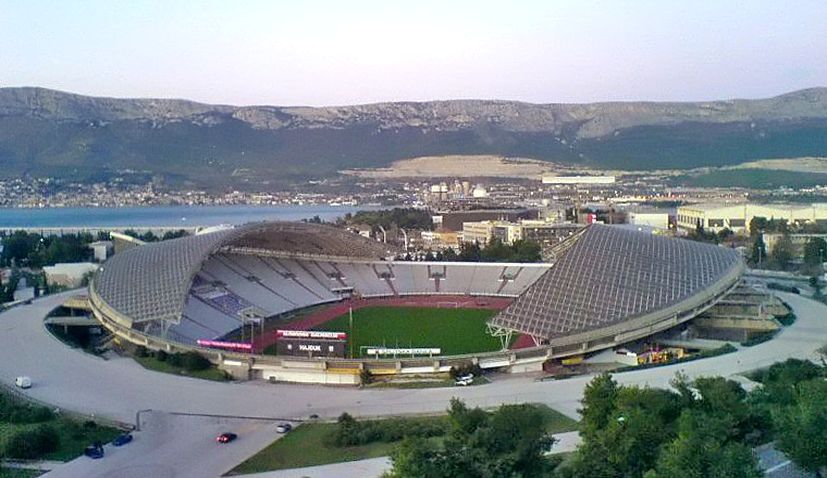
point(462, 166)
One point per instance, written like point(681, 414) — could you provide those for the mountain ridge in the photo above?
point(45, 131)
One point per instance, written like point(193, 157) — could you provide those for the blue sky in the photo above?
point(345, 52)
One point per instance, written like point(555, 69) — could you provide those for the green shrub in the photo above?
point(174, 360)
point(194, 361)
point(141, 351)
point(32, 444)
point(758, 339)
point(30, 414)
point(786, 320)
point(351, 432)
point(161, 356)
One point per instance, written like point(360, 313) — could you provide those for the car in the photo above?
point(284, 427)
point(122, 439)
point(226, 437)
point(464, 382)
point(466, 378)
point(23, 382)
point(94, 451)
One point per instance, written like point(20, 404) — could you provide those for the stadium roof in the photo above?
point(151, 282)
point(609, 275)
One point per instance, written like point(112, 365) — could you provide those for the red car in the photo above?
point(226, 437)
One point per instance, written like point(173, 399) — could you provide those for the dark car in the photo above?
point(122, 439)
point(94, 451)
point(226, 437)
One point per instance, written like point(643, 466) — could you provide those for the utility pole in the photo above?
point(350, 315)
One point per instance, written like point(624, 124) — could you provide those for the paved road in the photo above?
point(118, 388)
point(170, 446)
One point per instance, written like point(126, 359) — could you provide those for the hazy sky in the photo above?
point(344, 52)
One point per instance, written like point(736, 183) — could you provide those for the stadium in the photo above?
point(313, 303)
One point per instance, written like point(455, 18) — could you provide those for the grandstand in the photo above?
point(209, 285)
point(611, 285)
point(605, 286)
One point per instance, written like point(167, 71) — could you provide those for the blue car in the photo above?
point(122, 439)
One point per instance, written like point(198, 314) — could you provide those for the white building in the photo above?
point(69, 274)
point(649, 218)
point(101, 250)
point(736, 217)
point(578, 179)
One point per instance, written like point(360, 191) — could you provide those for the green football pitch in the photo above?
point(455, 331)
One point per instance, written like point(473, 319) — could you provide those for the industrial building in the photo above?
point(715, 217)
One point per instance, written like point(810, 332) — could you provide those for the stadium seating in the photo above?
point(230, 283)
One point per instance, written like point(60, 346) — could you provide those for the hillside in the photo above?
point(46, 132)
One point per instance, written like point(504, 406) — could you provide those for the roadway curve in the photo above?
point(117, 388)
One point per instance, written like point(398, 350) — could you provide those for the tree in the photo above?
point(757, 226)
point(509, 442)
point(782, 253)
point(415, 457)
point(470, 252)
point(758, 251)
point(526, 251)
point(449, 254)
point(598, 404)
point(801, 428)
point(32, 444)
point(699, 452)
point(815, 253)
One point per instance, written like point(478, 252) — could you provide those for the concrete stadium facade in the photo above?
point(253, 268)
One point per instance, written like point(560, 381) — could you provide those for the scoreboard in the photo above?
point(311, 343)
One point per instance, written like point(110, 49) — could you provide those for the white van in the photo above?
point(23, 382)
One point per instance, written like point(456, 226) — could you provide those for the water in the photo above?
point(163, 216)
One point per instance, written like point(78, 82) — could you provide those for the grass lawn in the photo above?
point(438, 383)
point(74, 437)
point(19, 473)
point(152, 363)
point(306, 445)
point(556, 422)
point(455, 331)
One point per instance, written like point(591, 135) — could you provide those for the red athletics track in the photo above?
point(340, 308)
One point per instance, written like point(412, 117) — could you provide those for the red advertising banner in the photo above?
point(226, 345)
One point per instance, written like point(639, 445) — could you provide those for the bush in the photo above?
point(365, 376)
point(141, 351)
point(13, 411)
point(194, 361)
point(351, 432)
point(758, 339)
point(174, 360)
point(32, 444)
point(29, 414)
point(161, 356)
point(786, 320)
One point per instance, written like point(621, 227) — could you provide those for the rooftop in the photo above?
point(609, 275)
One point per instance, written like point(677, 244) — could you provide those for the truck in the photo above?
point(23, 382)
